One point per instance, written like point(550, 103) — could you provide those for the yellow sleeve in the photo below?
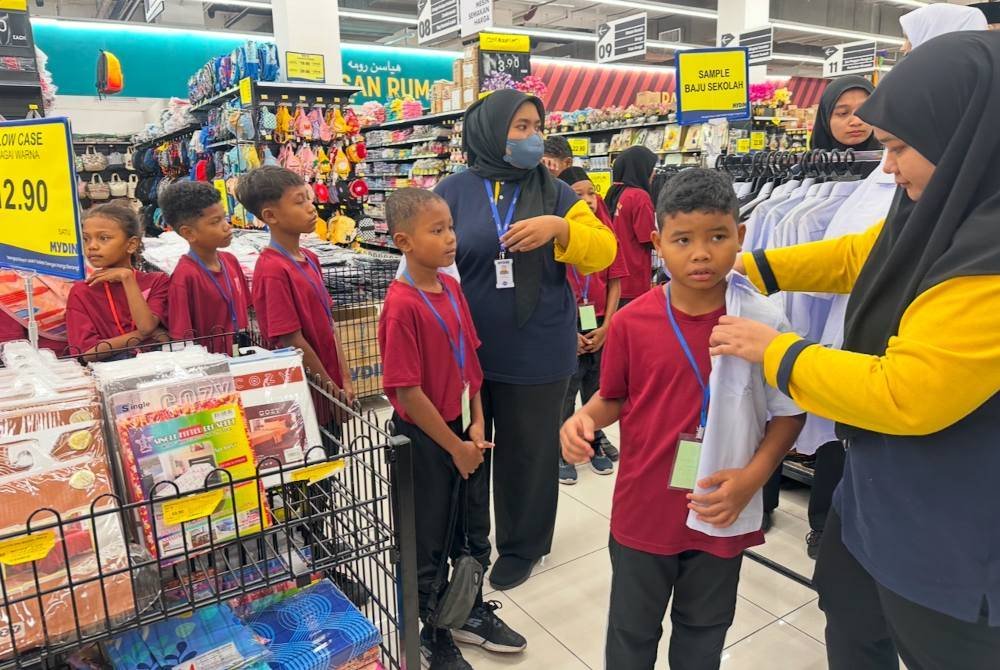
point(828, 266)
point(943, 364)
point(592, 245)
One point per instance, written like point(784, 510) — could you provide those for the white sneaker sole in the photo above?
point(465, 637)
point(564, 482)
point(603, 473)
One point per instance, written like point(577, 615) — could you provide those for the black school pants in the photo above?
point(523, 421)
point(867, 624)
point(434, 476)
point(586, 382)
point(827, 473)
point(703, 588)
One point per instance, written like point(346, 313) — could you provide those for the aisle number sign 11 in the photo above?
point(39, 212)
point(713, 84)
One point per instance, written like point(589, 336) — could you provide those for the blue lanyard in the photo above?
point(585, 292)
point(504, 225)
point(457, 350)
point(317, 287)
point(706, 390)
point(228, 299)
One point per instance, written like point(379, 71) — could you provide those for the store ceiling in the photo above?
point(565, 25)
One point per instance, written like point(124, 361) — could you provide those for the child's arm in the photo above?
point(310, 359)
point(477, 429)
point(468, 456)
point(142, 316)
point(577, 433)
point(736, 487)
point(596, 337)
point(112, 345)
point(345, 371)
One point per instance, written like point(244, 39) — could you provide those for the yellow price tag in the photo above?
point(220, 186)
point(246, 90)
point(602, 182)
point(305, 67)
point(189, 508)
point(318, 472)
point(39, 215)
point(34, 547)
point(498, 42)
point(580, 146)
point(743, 146)
point(14, 5)
point(757, 140)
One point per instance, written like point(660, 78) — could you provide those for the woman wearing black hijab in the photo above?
point(512, 216)
point(915, 532)
point(633, 217)
point(837, 124)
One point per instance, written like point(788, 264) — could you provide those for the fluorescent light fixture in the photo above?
point(143, 28)
point(909, 3)
point(835, 32)
point(378, 17)
point(238, 3)
point(661, 8)
point(600, 66)
point(673, 46)
point(794, 58)
point(566, 35)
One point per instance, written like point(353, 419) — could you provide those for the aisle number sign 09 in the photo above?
point(39, 212)
point(713, 84)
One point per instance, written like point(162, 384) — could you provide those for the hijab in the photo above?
point(484, 140)
point(952, 230)
point(572, 175)
point(931, 21)
point(822, 136)
point(991, 10)
point(634, 168)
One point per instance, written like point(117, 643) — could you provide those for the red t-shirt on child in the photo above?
point(644, 366)
point(416, 351)
point(287, 299)
point(198, 308)
point(595, 285)
point(92, 317)
point(634, 223)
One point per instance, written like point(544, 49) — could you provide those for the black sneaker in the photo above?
point(439, 652)
point(812, 543)
point(485, 629)
point(610, 450)
point(356, 592)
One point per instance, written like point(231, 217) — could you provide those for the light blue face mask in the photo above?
point(526, 153)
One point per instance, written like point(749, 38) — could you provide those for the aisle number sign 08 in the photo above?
point(713, 84)
point(39, 213)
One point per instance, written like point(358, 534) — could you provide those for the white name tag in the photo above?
point(505, 272)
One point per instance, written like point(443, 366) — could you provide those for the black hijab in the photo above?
point(990, 9)
point(822, 136)
point(943, 101)
point(484, 140)
point(572, 175)
point(633, 168)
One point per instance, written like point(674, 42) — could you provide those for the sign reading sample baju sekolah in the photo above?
point(713, 84)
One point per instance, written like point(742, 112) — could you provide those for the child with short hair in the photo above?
point(597, 297)
point(557, 154)
point(209, 294)
point(432, 377)
point(116, 306)
point(290, 300)
point(697, 441)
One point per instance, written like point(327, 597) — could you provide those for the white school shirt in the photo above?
point(451, 270)
point(741, 404)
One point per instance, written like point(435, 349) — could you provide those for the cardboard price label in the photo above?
point(580, 146)
point(712, 84)
point(602, 182)
point(34, 547)
point(39, 211)
point(305, 67)
point(743, 146)
point(318, 472)
point(246, 90)
point(757, 140)
point(189, 508)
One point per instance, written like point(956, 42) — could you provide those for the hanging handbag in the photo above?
point(78, 162)
point(452, 608)
point(115, 159)
point(93, 161)
point(97, 189)
point(130, 187)
point(129, 159)
point(81, 187)
point(117, 186)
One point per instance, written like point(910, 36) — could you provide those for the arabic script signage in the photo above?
point(383, 74)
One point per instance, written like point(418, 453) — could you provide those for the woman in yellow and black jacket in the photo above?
point(916, 531)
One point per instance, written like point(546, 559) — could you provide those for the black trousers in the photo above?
point(434, 477)
point(586, 382)
point(703, 587)
point(867, 625)
point(523, 421)
point(827, 473)
point(772, 490)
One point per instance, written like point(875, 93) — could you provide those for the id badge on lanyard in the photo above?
point(687, 458)
point(504, 266)
point(588, 313)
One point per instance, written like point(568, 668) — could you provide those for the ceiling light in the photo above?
point(142, 28)
point(566, 35)
point(378, 17)
point(238, 3)
point(795, 58)
point(599, 66)
point(835, 32)
point(909, 3)
point(661, 8)
point(672, 46)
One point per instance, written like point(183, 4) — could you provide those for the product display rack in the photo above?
point(356, 524)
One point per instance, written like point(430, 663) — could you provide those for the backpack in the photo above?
point(110, 79)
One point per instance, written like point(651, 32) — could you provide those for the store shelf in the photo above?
point(385, 188)
point(410, 142)
point(101, 143)
point(181, 132)
point(383, 174)
point(430, 118)
point(612, 129)
point(776, 118)
point(278, 87)
point(403, 159)
point(215, 100)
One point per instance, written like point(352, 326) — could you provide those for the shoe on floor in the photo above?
point(812, 543)
point(567, 473)
point(511, 571)
point(356, 592)
point(485, 629)
point(767, 522)
point(610, 450)
point(439, 652)
point(600, 463)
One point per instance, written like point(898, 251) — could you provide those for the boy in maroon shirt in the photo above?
point(209, 296)
point(290, 299)
point(432, 378)
point(680, 520)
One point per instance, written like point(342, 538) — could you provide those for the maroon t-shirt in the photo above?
point(634, 222)
point(286, 300)
point(644, 366)
point(197, 307)
point(416, 352)
point(91, 316)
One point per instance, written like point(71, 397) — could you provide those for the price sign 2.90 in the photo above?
point(32, 195)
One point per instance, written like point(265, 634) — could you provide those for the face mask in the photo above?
point(526, 153)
